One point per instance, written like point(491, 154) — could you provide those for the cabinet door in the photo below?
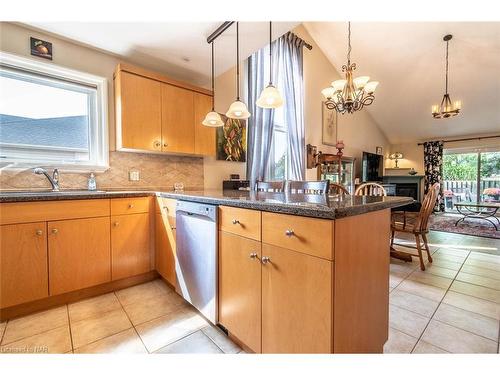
point(177, 122)
point(79, 254)
point(23, 263)
point(204, 136)
point(165, 248)
point(130, 245)
point(138, 110)
point(296, 302)
point(240, 289)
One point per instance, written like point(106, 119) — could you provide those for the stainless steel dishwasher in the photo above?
point(196, 264)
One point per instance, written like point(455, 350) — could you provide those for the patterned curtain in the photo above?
point(433, 166)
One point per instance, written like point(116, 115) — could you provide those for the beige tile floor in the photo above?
point(452, 307)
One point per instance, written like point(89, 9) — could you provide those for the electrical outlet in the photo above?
point(134, 175)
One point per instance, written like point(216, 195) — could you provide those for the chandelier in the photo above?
point(446, 109)
point(349, 94)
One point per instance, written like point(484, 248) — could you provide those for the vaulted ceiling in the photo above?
point(408, 59)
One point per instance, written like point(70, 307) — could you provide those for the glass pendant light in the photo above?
point(238, 110)
point(270, 96)
point(212, 118)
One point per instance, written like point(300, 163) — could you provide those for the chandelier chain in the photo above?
point(349, 44)
point(447, 67)
point(238, 60)
point(270, 53)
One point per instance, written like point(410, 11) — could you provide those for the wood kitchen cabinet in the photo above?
point(79, 253)
point(204, 136)
point(23, 263)
point(138, 117)
point(130, 245)
point(155, 113)
point(240, 288)
point(296, 302)
point(165, 248)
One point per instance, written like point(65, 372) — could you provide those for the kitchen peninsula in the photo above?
point(296, 273)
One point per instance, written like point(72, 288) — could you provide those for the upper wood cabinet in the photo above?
point(155, 113)
point(138, 112)
point(23, 263)
point(177, 119)
point(79, 254)
point(204, 136)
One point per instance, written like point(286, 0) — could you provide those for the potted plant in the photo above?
point(492, 193)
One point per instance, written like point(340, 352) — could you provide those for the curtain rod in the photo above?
point(225, 25)
point(465, 139)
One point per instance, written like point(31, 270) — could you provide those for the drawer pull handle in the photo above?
point(157, 143)
point(130, 205)
point(289, 232)
point(39, 232)
point(55, 230)
point(266, 260)
point(236, 221)
point(253, 256)
point(116, 223)
point(165, 145)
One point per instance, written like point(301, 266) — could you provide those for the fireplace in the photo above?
point(407, 190)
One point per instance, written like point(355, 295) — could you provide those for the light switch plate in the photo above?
point(134, 176)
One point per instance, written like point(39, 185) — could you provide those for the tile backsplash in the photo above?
point(156, 171)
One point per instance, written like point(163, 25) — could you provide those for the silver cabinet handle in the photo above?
point(236, 221)
point(116, 223)
point(157, 143)
point(289, 232)
point(39, 232)
point(265, 260)
point(165, 145)
point(130, 205)
point(253, 256)
point(55, 231)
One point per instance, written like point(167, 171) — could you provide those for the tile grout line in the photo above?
point(223, 352)
point(133, 326)
point(439, 304)
point(4, 330)
point(418, 340)
point(70, 332)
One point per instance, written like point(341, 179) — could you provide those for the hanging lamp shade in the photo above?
point(238, 110)
point(270, 97)
point(213, 119)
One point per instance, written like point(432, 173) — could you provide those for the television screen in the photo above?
point(372, 167)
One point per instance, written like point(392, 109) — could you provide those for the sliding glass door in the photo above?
point(489, 177)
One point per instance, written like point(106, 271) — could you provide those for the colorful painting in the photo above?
point(329, 126)
point(232, 140)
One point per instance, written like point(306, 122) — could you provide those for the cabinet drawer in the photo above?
point(123, 206)
point(306, 235)
point(240, 221)
point(29, 212)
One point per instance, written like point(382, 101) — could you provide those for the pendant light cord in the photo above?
point(213, 79)
point(237, 61)
point(447, 67)
point(270, 53)
point(349, 44)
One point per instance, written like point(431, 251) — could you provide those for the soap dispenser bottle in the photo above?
point(91, 182)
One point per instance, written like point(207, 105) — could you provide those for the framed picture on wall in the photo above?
point(329, 126)
point(379, 150)
point(231, 140)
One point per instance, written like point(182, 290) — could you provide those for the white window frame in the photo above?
point(98, 132)
point(270, 168)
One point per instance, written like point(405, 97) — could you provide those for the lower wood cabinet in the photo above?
point(79, 254)
point(130, 245)
point(297, 302)
point(165, 248)
point(240, 288)
point(23, 263)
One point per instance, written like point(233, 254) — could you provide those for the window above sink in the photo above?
point(51, 116)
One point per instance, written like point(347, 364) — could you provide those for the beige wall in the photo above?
point(156, 170)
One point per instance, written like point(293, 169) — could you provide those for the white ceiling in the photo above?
point(166, 46)
point(409, 61)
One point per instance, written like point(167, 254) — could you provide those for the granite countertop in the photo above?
point(312, 205)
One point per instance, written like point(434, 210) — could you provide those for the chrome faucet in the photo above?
point(54, 180)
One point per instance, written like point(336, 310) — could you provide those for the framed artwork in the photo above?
point(41, 48)
point(329, 125)
point(379, 150)
point(232, 140)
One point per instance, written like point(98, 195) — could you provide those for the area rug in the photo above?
point(445, 222)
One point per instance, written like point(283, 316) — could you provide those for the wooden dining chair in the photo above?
point(308, 187)
point(416, 223)
point(270, 186)
point(337, 189)
point(371, 189)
